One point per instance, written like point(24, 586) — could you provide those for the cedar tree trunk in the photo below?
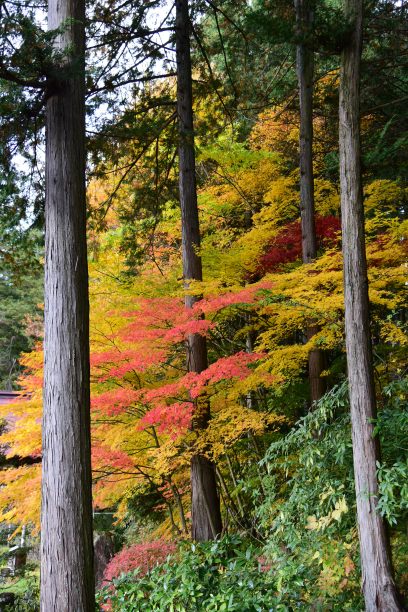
point(205, 509)
point(378, 583)
point(305, 73)
point(67, 577)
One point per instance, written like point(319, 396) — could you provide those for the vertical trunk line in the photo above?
point(305, 72)
point(378, 584)
point(227, 495)
point(205, 503)
point(179, 503)
point(67, 577)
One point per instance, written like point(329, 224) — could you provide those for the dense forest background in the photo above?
point(269, 410)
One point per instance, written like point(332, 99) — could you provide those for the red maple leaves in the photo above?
point(286, 247)
point(149, 344)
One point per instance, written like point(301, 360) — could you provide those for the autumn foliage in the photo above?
point(142, 557)
point(143, 398)
point(286, 247)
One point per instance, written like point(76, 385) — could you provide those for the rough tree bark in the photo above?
point(67, 577)
point(205, 509)
point(377, 576)
point(305, 72)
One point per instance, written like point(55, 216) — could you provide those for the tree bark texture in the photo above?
point(67, 577)
point(377, 576)
point(305, 73)
point(317, 363)
point(205, 510)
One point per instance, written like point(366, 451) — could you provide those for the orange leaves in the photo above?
point(173, 419)
point(22, 436)
point(115, 401)
point(226, 368)
point(20, 495)
point(247, 295)
point(142, 556)
point(170, 406)
point(104, 457)
point(181, 332)
point(117, 363)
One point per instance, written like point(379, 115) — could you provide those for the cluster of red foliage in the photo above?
point(101, 455)
point(156, 326)
point(115, 401)
point(172, 419)
point(247, 295)
point(167, 406)
point(264, 564)
point(287, 245)
point(142, 556)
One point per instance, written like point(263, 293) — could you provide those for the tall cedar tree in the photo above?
point(305, 72)
point(67, 579)
point(378, 583)
point(205, 508)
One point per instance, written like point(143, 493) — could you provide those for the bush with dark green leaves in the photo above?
point(308, 512)
point(214, 576)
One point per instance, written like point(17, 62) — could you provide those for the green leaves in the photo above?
point(308, 513)
point(214, 576)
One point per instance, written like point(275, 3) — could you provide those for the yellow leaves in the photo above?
point(390, 332)
point(98, 195)
point(232, 423)
point(276, 131)
point(320, 524)
point(330, 337)
point(327, 198)
point(168, 458)
point(283, 198)
point(109, 492)
point(23, 435)
point(314, 524)
point(384, 197)
point(20, 495)
point(258, 378)
point(340, 508)
point(337, 567)
point(286, 362)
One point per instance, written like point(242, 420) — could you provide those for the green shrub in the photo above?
point(308, 514)
point(211, 577)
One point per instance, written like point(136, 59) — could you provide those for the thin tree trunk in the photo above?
point(67, 577)
point(305, 72)
point(179, 503)
point(228, 498)
point(234, 482)
point(249, 348)
point(205, 510)
point(176, 528)
point(378, 585)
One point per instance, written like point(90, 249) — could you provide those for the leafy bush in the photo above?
point(214, 576)
point(392, 426)
point(308, 514)
point(28, 600)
